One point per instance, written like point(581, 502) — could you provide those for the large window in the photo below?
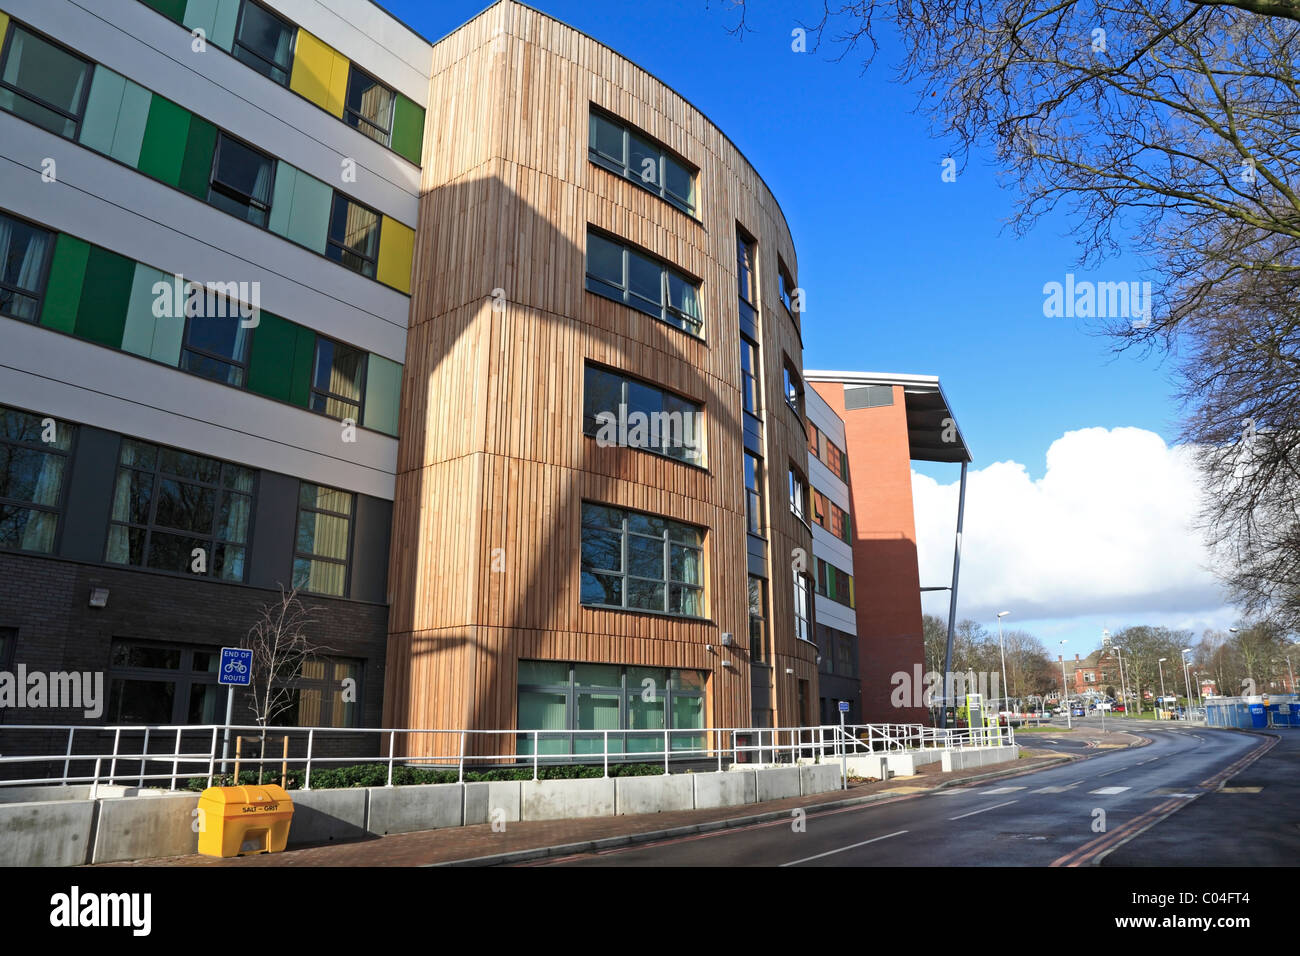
point(620, 149)
point(641, 562)
point(787, 288)
point(757, 620)
point(321, 549)
point(174, 511)
point(317, 695)
point(750, 387)
point(242, 179)
point(338, 381)
point(369, 106)
point(578, 703)
point(43, 83)
point(264, 41)
point(827, 452)
point(834, 583)
point(802, 607)
point(831, 516)
point(216, 346)
point(798, 495)
point(753, 494)
point(24, 262)
point(793, 389)
point(34, 462)
point(354, 236)
point(642, 416)
point(746, 284)
point(625, 275)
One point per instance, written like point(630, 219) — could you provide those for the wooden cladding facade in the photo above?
point(493, 463)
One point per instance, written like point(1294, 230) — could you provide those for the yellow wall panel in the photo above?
point(320, 73)
point(396, 247)
point(4, 26)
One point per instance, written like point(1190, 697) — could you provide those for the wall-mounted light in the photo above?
point(709, 648)
point(726, 663)
point(99, 597)
point(789, 670)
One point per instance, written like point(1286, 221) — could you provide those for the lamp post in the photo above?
point(1188, 677)
point(1160, 663)
point(1123, 689)
point(1003, 654)
point(1065, 694)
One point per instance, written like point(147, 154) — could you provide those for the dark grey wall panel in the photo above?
point(370, 537)
point(275, 523)
point(84, 531)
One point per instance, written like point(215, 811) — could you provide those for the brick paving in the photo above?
point(466, 843)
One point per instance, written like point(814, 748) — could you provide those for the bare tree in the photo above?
point(281, 650)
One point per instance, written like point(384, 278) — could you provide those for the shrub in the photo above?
point(376, 775)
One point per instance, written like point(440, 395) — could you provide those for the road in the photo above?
point(1065, 816)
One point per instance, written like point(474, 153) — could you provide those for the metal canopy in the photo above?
point(928, 413)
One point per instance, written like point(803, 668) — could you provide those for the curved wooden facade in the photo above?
point(493, 463)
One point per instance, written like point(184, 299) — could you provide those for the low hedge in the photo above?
point(376, 775)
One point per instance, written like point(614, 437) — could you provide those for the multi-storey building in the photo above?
point(293, 297)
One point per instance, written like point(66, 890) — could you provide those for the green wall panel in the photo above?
point(300, 207)
point(137, 333)
point(196, 169)
point(102, 107)
point(101, 314)
point(166, 135)
point(131, 120)
point(286, 177)
point(280, 365)
point(383, 393)
point(169, 8)
point(217, 18)
point(63, 292)
point(408, 129)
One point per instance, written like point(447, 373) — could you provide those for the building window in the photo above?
point(750, 387)
point(618, 148)
point(802, 607)
point(637, 415)
point(788, 290)
point(216, 346)
point(580, 703)
point(43, 83)
point(798, 495)
point(843, 656)
point(831, 516)
point(369, 106)
point(754, 494)
point(747, 287)
point(316, 695)
point(641, 562)
point(338, 381)
point(757, 620)
point(827, 452)
point(35, 455)
point(323, 542)
point(179, 512)
point(834, 583)
point(793, 389)
point(8, 643)
point(24, 264)
point(625, 275)
point(264, 41)
point(354, 236)
point(242, 179)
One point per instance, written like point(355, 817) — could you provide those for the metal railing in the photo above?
point(122, 755)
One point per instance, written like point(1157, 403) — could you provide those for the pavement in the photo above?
point(521, 840)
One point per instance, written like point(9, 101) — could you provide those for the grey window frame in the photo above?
point(623, 293)
point(43, 282)
point(360, 403)
point(758, 651)
point(68, 456)
point(236, 45)
point(667, 580)
point(621, 165)
point(799, 483)
point(800, 578)
point(299, 508)
point(793, 383)
point(346, 250)
point(214, 356)
point(349, 113)
point(571, 691)
point(210, 538)
point(233, 193)
point(754, 496)
point(590, 428)
point(79, 116)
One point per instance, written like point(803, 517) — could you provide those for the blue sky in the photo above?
point(902, 271)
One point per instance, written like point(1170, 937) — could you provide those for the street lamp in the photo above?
point(1123, 689)
point(1069, 725)
point(1188, 677)
point(1003, 654)
point(1160, 664)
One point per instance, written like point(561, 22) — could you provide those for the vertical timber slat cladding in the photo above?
point(493, 466)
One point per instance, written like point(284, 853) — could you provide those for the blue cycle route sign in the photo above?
point(236, 667)
point(844, 707)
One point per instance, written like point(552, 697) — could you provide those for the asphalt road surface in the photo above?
point(1070, 815)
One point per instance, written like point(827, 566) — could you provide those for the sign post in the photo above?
point(235, 670)
point(844, 747)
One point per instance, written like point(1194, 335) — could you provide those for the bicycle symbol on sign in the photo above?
point(235, 667)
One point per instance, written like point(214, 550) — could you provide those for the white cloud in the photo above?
point(1107, 532)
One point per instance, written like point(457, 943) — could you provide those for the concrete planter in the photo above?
point(977, 757)
point(137, 828)
point(776, 784)
point(420, 807)
point(728, 788)
point(483, 799)
point(324, 816)
point(821, 778)
point(566, 799)
point(654, 794)
point(45, 834)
